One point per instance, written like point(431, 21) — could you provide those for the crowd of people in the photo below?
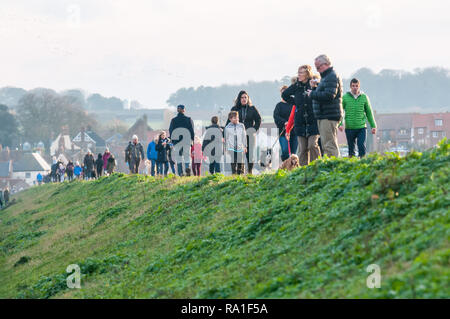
point(311, 111)
point(91, 168)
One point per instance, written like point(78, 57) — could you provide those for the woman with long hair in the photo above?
point(305, 123)
point(250, 117)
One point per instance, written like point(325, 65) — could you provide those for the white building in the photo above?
point(29, 166)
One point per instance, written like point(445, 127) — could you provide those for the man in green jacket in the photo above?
point(357, 110)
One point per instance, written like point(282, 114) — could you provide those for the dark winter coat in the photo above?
point(163, 150)
point(134, 153)
point(249, 115)
point(210, 136)
point(281, 116)
point(327, 97)
point(99, 164)
point(305, 123)
point(181, 121)
point(89, 162)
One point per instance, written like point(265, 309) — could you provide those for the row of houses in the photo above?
point(396, 132)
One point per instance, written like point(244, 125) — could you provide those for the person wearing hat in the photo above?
point(134, 154)
point(179, 125)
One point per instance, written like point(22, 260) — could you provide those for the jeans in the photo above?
point(356, 136)
point(180, 168)
point(214, 167)
point(285, 148)
point(153, 167)
point(163, 168)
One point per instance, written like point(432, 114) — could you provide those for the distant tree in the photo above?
point(11, 96)
point(42, 116)
point(76, 96)
point(9, 127)
point(97, 102)
point(390, 91)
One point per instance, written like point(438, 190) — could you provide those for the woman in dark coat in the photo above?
point(281, 117)
point(305, 123)
point(99, 165)
point(162, 160)
point(249, 115)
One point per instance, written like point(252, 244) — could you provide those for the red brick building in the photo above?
point(411, 130)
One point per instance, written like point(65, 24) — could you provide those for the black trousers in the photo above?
point(237, 163)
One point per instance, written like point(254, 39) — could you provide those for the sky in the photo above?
point(145, 50)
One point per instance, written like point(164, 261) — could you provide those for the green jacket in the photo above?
point(357, 111)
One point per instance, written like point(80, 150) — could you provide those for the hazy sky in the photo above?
point(146, 50)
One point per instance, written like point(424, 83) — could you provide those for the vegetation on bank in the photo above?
point(309, 233)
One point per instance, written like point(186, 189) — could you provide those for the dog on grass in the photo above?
point(291, 163)
point(266, 159)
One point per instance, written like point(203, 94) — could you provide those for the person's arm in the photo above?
point(279, 121)
point(257, 119)
point(245, 137)
point(341, 124)
point(171, 128)
point(288, 94)
point(329, 92)
point(149, 149)
point(368, 111)
point(191, 129)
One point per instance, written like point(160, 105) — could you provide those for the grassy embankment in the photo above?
point(307, 233)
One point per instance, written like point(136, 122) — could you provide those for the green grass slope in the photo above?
point(309, 233)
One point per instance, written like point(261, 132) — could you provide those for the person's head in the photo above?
point(315, 80)
point(135, 139)
point(180, 108)
point(233, 116)
point(215, 120)
point(77, 163)
point(162, 135)
point(355, 86)
point(322, 63)
point(305, 73)
point(99, 156)
point(107, 150)
point(243, 99)
point(282, 89)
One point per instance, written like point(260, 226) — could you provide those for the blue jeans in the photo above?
point(356, 136)
point(153, 167)
point(293, 141)
point(172, 167)
point(163, 168)
point(180, 167)
point(214, 167)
